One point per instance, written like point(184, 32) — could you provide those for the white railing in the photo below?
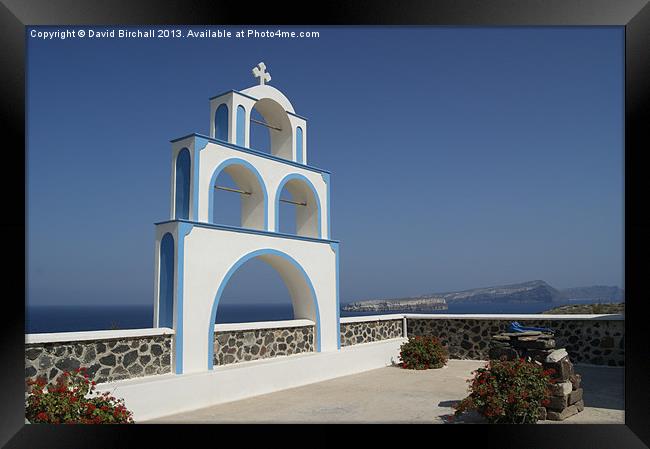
point(61, 337)
point(229, 327)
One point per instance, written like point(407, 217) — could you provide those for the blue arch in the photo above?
point(166, 282)
point(213, 180)
point(299, 144)
point(277, 200)
point(221, 122)
point(224, 283)
point(182, 190)
point(241, 126)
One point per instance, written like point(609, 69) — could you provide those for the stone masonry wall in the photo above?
point(253, 344)
point(597, 342)
point(368, 331)
point(104, 360)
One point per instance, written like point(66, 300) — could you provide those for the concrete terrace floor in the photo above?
point(395, 395)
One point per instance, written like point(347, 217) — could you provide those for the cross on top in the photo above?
point(261, 73)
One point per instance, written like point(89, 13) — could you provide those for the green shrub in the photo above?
point(507, 392)
point(423, 352)
point(73, 400)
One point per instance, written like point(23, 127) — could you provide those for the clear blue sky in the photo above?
point(460, 157)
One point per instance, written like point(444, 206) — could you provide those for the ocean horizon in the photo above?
point(74, 318)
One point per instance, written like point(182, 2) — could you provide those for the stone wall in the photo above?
point(354, 333)
point(593, 341)
point(251, 344)
point(105, 360)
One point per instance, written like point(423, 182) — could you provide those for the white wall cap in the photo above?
point(96, 335)
point(551, 317)
point(227, 327)
point(271, 92)
point(365, 318)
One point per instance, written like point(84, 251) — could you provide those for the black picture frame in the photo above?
point(15, 15)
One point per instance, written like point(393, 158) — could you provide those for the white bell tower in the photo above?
point(196, 257)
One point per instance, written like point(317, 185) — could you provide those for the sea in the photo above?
point(45, 319)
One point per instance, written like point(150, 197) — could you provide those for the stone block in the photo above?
point(564, 414)
point(522, 334)
point(580, 405)
point(508, 353)
point(575, 380)
point(575, 396)
point(557, 403)
point(534, 344)
point(502, 338)
point(557, 355)
point(560, 388)
point(538, 355)
point(562, 369)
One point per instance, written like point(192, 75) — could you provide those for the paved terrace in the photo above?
point(395, 395)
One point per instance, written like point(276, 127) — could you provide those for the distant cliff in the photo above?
point(418, 304)
point(525, 292)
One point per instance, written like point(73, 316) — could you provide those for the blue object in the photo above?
point(516, 327)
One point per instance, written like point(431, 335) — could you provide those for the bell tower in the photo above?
point(195, 257)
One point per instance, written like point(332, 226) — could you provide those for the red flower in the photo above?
point(42, 416)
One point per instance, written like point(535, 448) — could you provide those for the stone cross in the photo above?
point(260, 72)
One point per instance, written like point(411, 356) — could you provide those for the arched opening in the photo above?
point(304, 303)
point(166, 282)
point(182, 185)
point(221, 123)
point(299, 157)
point(298, 195)
point(238, 196)
point(271, 129)
point(241, 126)
point(255, 292)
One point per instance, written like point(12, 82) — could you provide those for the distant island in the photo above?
point(588, 309)
point(526, 292)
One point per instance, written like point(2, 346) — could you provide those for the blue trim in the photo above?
point(240, 136)
point(253, 98)
point(213, 180)
point(253, 152)
point(249, 231)
point(286, 179)
point(183, 230)
point(335, 248)
point(224, 283)
point(299, 139)
point(326, 178)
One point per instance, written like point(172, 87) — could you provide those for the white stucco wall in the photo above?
point(248, 99)
point(209, 254)
point(272, 173)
